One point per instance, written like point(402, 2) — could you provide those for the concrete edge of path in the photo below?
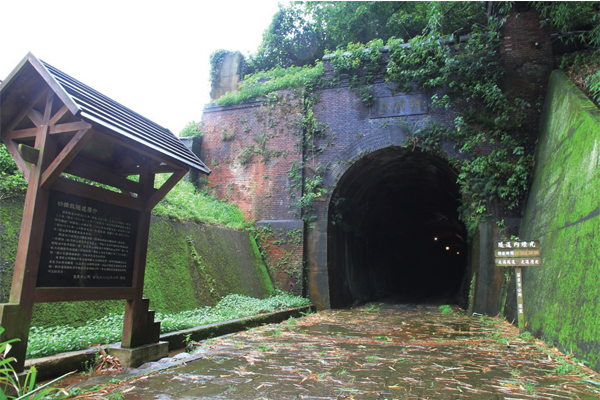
point(63, 363)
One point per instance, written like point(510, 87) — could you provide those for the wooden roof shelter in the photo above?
point(80, 106)
point(67, 138)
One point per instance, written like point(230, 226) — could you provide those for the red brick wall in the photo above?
point(251, 149)
point(253, 175)
point(526, 52)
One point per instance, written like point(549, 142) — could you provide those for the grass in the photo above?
point(49, 341)
point(186, 203)
point(446, 309)
point(262, 83)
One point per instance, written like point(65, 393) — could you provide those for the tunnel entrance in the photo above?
point(394, 232)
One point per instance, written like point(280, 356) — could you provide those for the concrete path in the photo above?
point(379, 351)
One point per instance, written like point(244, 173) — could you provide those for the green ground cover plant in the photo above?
point(53, 340)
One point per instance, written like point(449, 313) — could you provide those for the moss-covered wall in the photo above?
point(188, 266)
point(563, 211)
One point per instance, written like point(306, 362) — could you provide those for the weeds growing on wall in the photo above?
point(288, 262)
point(466, 79)
point(262, 83)
point(361, 65)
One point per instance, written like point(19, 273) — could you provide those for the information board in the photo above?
point(87, 243)
point(517, 254)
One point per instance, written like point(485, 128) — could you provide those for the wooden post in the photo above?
point(518, 253)
point(137, 326)
point(16, 316)
point(520, 307)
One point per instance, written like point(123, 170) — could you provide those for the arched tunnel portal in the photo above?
point(394, 231)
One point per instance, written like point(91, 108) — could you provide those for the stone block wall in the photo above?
point(563, 213)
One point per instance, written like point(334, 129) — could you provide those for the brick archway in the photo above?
point(370, 153)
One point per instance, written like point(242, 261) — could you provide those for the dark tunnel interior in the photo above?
point(394, 231)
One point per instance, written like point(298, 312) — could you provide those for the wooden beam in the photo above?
point(96, 193)
point(146, 151)
point(35, 116)
point(59, 114)
point(69, 127)
point(159, 169)
point(14, 152)
point(28, 133)
point(135, 322)
point(49, 295)
point(164, 169)
point(96, 174)
point(157, 196)
point(67, 154)
point(29, 154)
point(24, 112)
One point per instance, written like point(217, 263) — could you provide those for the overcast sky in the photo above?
point(151, 56)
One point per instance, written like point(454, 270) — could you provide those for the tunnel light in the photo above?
point(458, 252)
point(447, 247)
point(435, 238)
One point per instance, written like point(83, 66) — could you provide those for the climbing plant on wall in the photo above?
point(465, 76)
point(466, 80)
point(487, 126)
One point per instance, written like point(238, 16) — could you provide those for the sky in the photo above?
point(151, 56)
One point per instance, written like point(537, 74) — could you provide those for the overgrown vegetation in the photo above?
point(495, 153)
point(302, 32)
point(48, 341)
point(22, 387)
point(192, 129)
point(186, 203)
point(12, 183)
point(584, 70)
point(262, 83)
point(466, 79)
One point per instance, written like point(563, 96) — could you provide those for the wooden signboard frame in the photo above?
point(518, 254)
point(47, 141)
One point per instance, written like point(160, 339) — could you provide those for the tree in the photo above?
point(565, 17)
point(303, 32)
point(292, 39)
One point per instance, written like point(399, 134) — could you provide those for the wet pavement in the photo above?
point(379, 351)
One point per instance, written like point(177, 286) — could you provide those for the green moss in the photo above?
point(561, 297)
point(261, 270)
point(11, 213)
point(168, 281)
